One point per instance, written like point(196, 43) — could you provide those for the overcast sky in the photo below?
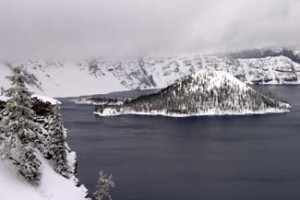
point(34, 28)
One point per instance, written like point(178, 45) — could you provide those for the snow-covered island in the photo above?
point(203, 93)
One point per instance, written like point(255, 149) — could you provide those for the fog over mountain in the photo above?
point(49, 28)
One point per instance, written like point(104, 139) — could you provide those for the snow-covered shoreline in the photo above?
point(108, 112)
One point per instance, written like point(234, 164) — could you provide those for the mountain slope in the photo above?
point(99, 76)
point(204, 93)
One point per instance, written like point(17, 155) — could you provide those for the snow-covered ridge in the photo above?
point(100, 76)
point(204, 93)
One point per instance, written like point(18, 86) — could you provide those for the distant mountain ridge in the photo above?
point(290, 53)
point(98, 76)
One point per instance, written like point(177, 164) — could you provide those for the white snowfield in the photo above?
point(53, 186)
point(101, 76)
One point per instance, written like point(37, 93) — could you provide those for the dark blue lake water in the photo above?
point(198, 158)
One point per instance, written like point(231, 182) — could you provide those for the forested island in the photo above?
point(203, 93)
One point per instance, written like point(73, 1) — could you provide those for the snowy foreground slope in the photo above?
point(204, 93)
point(99, 76)
point(53, 186)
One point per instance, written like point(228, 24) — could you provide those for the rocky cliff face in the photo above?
point(98, 76)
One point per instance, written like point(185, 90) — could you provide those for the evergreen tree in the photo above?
point(57, 149)
point(104, 183)
point(29, 165)
point(18, 130)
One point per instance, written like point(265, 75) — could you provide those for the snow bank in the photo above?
point(45, 99)
point(53, 186)
point(3, 98)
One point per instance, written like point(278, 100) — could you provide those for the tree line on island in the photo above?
point(198, 94)
point(178, 98)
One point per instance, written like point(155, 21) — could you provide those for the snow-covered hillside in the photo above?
point(204, 93)
point(53, 186)
point(99, 76)
point(55, 162)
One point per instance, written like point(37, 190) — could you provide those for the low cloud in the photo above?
point(37, 28)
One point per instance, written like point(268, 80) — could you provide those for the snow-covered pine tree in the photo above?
point(104, 183)
point(56, 148)
point(18, 130)
point(29, 165)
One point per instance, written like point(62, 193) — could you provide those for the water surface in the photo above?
point(197, 158)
